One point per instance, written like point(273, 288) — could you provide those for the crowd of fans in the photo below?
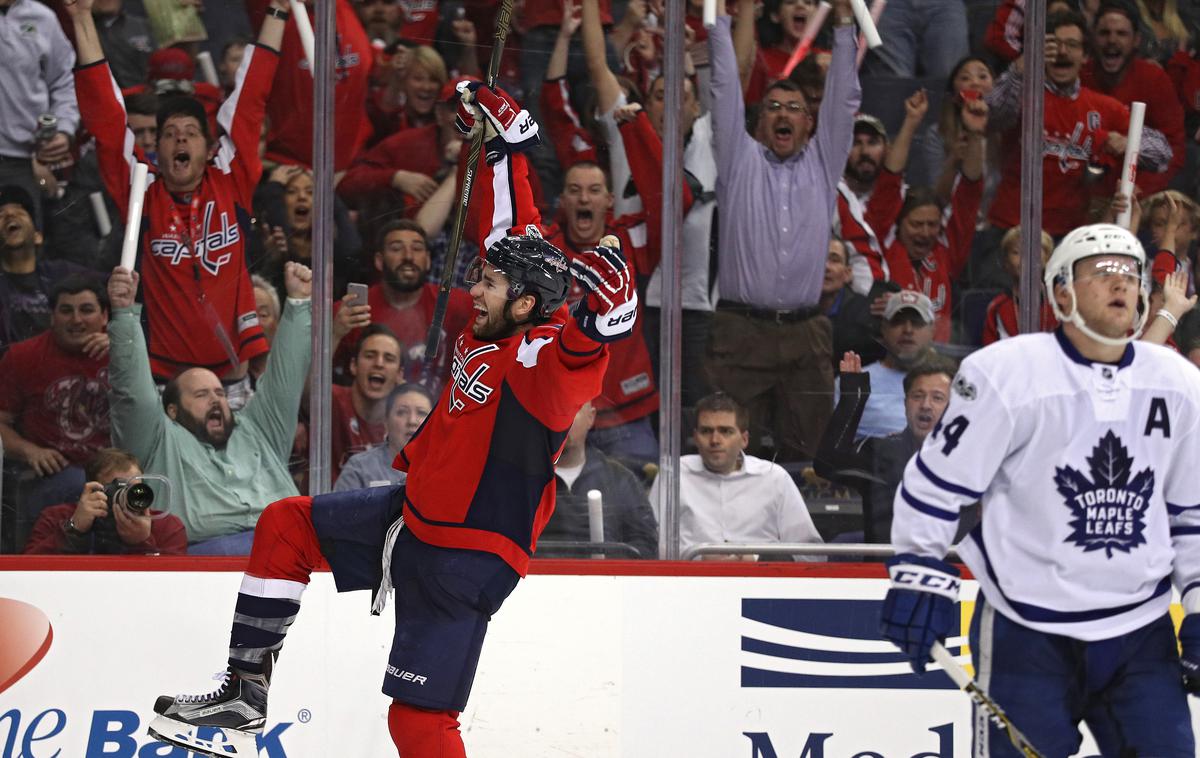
point(850, 228)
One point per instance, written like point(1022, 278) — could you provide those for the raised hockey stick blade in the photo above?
point(942, 657)
point(503, 23)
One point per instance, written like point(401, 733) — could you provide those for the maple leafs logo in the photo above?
point(1109, 510)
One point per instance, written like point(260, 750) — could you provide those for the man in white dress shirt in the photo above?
point(728, 496)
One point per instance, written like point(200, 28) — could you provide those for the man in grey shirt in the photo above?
point(771, 347)
point(35, 79)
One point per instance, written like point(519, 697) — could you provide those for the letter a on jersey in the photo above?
point(1108, 511)
point(1158, 418)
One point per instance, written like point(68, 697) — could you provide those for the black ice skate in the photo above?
point(223, 723)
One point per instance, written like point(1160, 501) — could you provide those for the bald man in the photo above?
point(225, 467)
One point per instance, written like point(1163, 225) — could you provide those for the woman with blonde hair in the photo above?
point(1170, 33)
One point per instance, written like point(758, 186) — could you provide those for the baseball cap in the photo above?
point(170, 63)
point(912, 300)
point(867, 122)
point(12, 194)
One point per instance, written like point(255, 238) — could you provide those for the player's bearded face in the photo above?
point(494, 319)
point(182, 153)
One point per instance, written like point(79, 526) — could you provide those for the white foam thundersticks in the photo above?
point(866, 24)
point(207, 69)
point(595, 518)
point(133, 219)
point(863, 40)
point(305, 30)
point(1133, 145)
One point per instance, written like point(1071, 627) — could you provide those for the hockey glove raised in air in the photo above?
point(609, 310)
point(507, 127)
point(1189, 641)
point(919, 607)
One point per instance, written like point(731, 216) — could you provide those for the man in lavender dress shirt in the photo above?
point(771, 348)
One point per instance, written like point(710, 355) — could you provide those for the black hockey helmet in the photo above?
point(533, 267)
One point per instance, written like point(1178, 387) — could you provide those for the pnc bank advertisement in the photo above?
point(589, 666)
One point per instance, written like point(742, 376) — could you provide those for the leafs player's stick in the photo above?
point(995, 713)
point(503, 22)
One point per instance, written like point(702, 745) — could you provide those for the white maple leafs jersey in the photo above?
point(1089, 477)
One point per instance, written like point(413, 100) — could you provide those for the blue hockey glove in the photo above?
point(919, 607)
point(609, 310)
point(1189, 640)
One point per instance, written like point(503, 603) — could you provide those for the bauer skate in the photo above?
point(224, 723)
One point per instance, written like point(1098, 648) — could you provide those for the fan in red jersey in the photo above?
point(1082, 128)
point(199, 304)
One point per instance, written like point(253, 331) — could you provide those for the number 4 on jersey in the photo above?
point(954, 430)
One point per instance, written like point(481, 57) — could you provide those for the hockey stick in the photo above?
point(995, 713)
point(503, 22)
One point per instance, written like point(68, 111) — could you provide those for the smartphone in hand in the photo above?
point(359, 291)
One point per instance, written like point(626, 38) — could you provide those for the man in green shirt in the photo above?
point(225, 467)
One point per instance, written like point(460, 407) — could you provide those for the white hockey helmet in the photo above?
point(1086, 242)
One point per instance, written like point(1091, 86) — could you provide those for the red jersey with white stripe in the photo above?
point(1076, 128)
point(629, 391)
point(572, 143)
point(867, 225)
point(1001, 320)
point(1006, 32)
point(1147, 82)
point(481, 467)
point(935, 274)
point(199, 304)
point(291, 105)
point(420, 20)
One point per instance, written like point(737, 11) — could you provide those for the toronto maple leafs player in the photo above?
point(458, 535)
point(1082, 446)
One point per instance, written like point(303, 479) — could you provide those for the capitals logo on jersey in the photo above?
point(466, 380)
point(209, 250)
point(1108, 511)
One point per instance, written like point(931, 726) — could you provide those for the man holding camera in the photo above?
point(96, 526)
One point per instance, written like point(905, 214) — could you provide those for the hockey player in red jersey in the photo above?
point(200, 306)
point(458, 535)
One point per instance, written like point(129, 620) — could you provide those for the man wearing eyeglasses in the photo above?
point(771, 347)
point(1082, 127)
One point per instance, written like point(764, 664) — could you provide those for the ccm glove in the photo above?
point(919, 607)
point(609, 309)
point(1189, 640)
point(507, 127)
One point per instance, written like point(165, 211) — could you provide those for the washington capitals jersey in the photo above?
point(199, 304)
point(481, 467)
point(1087, 476)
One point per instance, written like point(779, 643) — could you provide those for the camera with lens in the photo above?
point(135, 496)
